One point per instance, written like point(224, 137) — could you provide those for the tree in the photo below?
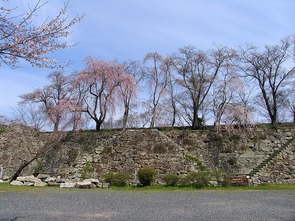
point(31, 115)
point(128, 88)
point(21, 38)
point(98, 86)
point(55, 99)
point(272, 70)
point(36, 148)
point(198, 70)
point(224, 90)
point(157, 77)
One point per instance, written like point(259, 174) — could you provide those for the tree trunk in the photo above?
point(40, 153)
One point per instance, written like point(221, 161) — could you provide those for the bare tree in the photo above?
point(272, 70)
point(21, 38)
point(29, 141)
point(198, 70)
point(31, 115)
point(157, 76)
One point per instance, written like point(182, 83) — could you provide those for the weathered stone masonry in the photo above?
point(90, 154)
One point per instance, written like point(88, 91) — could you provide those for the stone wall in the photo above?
point(91, 154)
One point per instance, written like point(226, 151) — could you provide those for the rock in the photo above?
point(213, 183)
point(16, 183)
point(5, 178)
point(50, 179)
point(105, 185)
point(53, 184)
point(21, 178)
point(43, 176)
point(92, 180)
point(28, 184)
point(40, 184)
point(32, 179)
point(60, 180)
point(68, 185)
point(84, 184)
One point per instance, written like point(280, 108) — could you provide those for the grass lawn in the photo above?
point(5, 187)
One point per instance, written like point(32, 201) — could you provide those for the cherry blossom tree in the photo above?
point(55, 100)
point(22, 38)
point(99, 85)
point(129, 87)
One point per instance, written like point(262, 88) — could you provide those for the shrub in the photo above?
point(171, 179)
point(117, 179)
point(146, 176)
point(196, 179)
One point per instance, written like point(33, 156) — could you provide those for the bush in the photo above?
point(146, 176)
point(171, 179)
point(196, 179)
point(117, 179)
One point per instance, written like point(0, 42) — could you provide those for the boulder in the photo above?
point(28, 184)
point(50, 179)
point(43, 176)
point(68, 185)
point(105, 185)
point(53, 184)
point(21, 178)
point(16, 183)
point(40, 184)
point(32, 179)
point(94, 182)
point(5, 178)
point(60, 180)
point(84, 184)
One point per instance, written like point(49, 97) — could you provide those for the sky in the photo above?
point(128, 29)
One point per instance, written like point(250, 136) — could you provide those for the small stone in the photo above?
point(16, 183)
point(105, 185)
point(68, 185)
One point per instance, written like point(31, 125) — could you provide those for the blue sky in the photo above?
point(128, 29)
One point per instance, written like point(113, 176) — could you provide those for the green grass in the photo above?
point(5, 187)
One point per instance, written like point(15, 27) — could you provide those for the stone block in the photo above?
point(92, 180)
point(21, 178)
point(16, 183)
point(40, 184)
point(50, 179)
point(32, 179)
point(68, 185)
point(43, 176)
point(53, 184)
point(84, 184)
point(60, 180)
point(5, 178)
point(28, 184)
